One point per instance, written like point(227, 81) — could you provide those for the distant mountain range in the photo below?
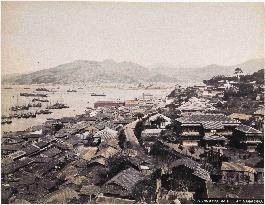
point(198, 74)
point(109, 71)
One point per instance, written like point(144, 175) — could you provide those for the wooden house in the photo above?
point(247, 138)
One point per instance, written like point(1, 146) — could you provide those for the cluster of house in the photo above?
point(68, 160)
point(196, 127)
point(99, 157)
point(201, 135)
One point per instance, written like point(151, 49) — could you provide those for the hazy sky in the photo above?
point(39, 35)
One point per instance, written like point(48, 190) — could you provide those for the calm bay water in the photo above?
point(77, 101)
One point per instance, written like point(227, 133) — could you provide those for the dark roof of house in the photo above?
point(62, 134)
point(40, 159)
point(186, 162)
point(90, 190)
point(214, 137)
point(200, 118)
point(48, 138)
point(67, 119)
point(193, 165)
point(212, 125)
point(49, 183)
point(106, 134)
point(48, 166)
point(32, 136)
point(14, 166)
point(137, 158)
point(30, 149)
point(230, 166)
point(11, 147)
point(52, 152)
point(73, 141)
point(61, 145)
point(248, 130)
point(108, 103)
point(126, 179)
point(11, 140)
point(124, 121)
point(42, 144)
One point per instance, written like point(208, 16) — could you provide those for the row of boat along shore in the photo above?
point(33, 95)
point(8, 119)
point(45, 95)
point(25, 107)
point(47, 90)
point(22, 111)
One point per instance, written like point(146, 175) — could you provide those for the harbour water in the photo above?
point(77, 101)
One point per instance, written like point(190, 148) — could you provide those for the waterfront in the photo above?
point(77, 101)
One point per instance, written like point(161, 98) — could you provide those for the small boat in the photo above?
point(71, 91)
point(28, 115)
point(35, 105)
point(6, 121)
point(33, 95)
point(95, 94)
point(57, 106)
point(147, 94)
point(44, 112)
point(26, 88)
point(40, 100)
point(42, 89)
point(17, 108)
point(8, 88)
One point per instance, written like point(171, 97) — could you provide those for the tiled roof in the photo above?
point(196, 104)
point(52, 152)
point(193, 165)
point(229, 166)
point(17, 154)
point(106, 153)
point(99, 160)
point(151, 131)
point(62, 196)
point(127, 179)
point(240, 116)
point(14, 166)
point(90, 190)
point(106, 134)
point(200, 118)
point(247, 129)
point(214, 137)
point(156, 116)
point(212, 125)
point(89, 153)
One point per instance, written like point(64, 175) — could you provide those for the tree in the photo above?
point(245, 89)
point(192, 150)
point(139, 115)
point(238, 71)
point(159, 120)
point(139, 127)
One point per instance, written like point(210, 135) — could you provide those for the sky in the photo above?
point(40, 35)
